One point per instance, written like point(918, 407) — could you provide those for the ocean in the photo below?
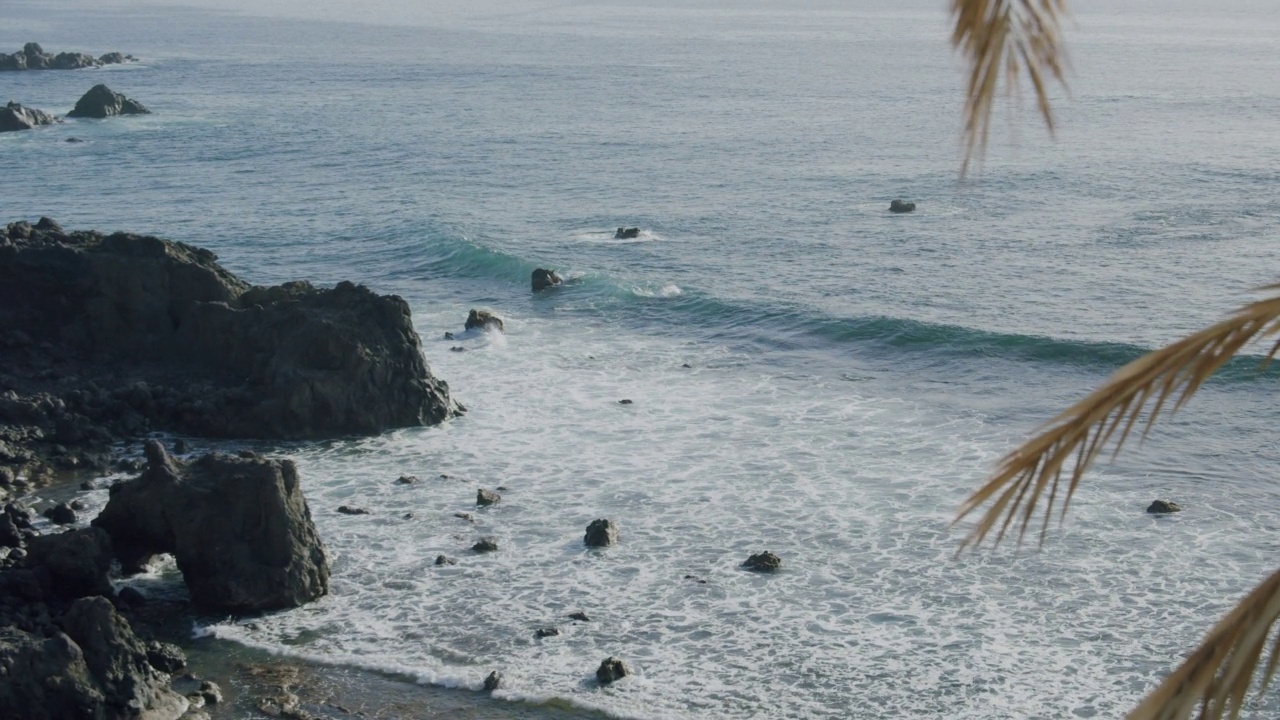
point(809, 374)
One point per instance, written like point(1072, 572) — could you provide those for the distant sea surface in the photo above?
point(810, 374)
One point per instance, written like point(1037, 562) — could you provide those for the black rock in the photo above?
point(166, 657)
point(543, 279)
point(579, 616)
point(407, 516)
point(406, 479)
point(457, 348)
point(73, 140)
point(352, 510)
point(763, 562)
point(696, 579)
point(15, 117)
point(442, 560)
point(625, 401)
point(487, 497)
point(485, 545)
point(448, 336)
point(627, 233)
point(10, 536)
point(611, 669)
point(1162, 507)
point(484, 320)
point(180, 446)
point(102, 102)
point(464, 516)
point(61, 514)
point(900, 206)
point(493, 681)
point(72, 564)
point(239, 528)
point(546, 632)
point(601, 533)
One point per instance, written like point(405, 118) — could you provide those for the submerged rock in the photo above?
point(103, 102)
point(901, 206)
point(579, 616)
point(611, 669)
point(763, 562)
point(239, 528)
point(543, 279)
point(601, 533)
point(484, 320)
point(15, 117)
point(1162, 507)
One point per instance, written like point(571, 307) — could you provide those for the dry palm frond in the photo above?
point(1217, 675)
point(1004, 37)
point(1074, 438)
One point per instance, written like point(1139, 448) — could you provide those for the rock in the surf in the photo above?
point(103, 102)
point(543, 279)
point(239, 528)
point(627, 233)
point(901, 206)
point(493, 681)
point(601, 533)
point(763, 562)
point(15, 117)
point(487, 497)
point(1163, 507)
point(484, 320)
point(611, 669)
point(485, 545)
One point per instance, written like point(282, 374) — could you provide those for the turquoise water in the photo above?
point(853, 374)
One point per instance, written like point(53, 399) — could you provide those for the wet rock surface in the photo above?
point(601, 533)
point(103, 102)
point(33, 57)
point(611, 670)
point(763, 562)
point(15, 117)
point(1163, 507)
point(108, 337)
point(239, 528)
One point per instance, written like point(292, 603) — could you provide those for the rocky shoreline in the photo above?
point(106, 338)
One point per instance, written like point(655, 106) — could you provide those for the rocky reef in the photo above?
point(33, 57)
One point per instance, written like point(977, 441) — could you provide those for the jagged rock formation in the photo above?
point(33, 57)
point(239, 528)
point(14, 117)
point(103, 102)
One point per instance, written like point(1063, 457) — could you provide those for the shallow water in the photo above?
point(853, 374)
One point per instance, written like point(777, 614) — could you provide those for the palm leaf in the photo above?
point(1071, 441)
point(1217, 675)
point(1003, 37)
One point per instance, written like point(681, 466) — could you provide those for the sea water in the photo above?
point(809, 374)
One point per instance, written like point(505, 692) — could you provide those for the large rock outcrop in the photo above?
point(90, 665)
point(143, 333)
point(238, 527)
point(103, 102)
point(33, 57)
point(15, 117)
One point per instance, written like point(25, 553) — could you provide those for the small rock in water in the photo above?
point(166, 657)
point(611, 669)
point(699, 580)
point(61, 514)
point(687, 366)
point(601, 533)
point(627, 233)
point(493, 682)
point(486, 497)
point(88, 485)
point(442, 560)
point(484, 320)
point(180, 446)
point(901, 206)
point(464, 516)
point(546, 632)
point(501, 488)
point(457, 348)
point(352, 510)
point(624, 401)
point(73, 140)
point(580, 616)
point(211, 693)
point(448, 336)
point(79, 505)
point(407, 516)
point(763, 562)
point(485, 545)
point(406, 479)
point(543, 279)
point(1163, 507)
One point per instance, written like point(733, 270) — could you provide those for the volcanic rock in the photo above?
point(484, 320)
point(103, 102)
point(543, 279)
point(239, 528)
point(16, 117)
point(601, 533)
